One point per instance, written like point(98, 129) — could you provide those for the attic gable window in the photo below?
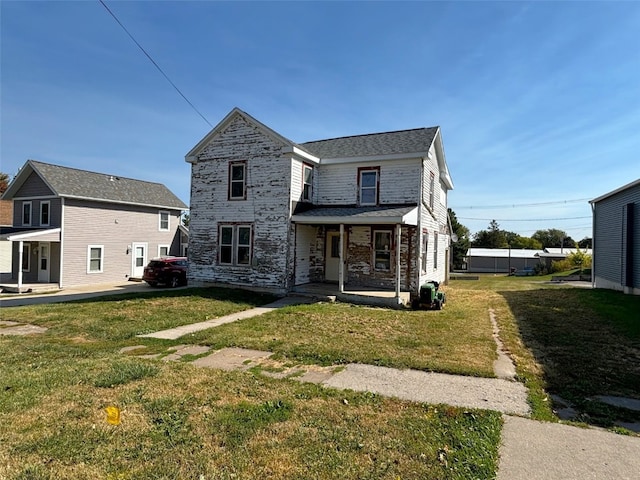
point(237, 181)
point(368, 185)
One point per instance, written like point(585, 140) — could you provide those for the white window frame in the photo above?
point(435, 250)
point(160, 214)
point(425, 251)
point(26, 255)
point(242, 164)
point(30, 205)
point(389, 250)
point(89, 248)
point(307, 187)
point(48, 204)
point(375, 188)
point(235, 244)
point(160, 247)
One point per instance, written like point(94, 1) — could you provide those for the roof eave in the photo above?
point(409, 218)
point(120, 202)
point(373, 158)
point(617, 190)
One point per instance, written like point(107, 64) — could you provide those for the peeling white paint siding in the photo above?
point(267, 207)
point(399, 182)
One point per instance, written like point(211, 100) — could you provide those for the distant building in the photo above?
point(500, 260)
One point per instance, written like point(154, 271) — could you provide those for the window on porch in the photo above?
point(382, 250)
point(307, 182)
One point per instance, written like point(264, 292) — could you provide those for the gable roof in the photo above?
point(222, 125)
point(418, 140)
point(82, 184)
point(617, 190)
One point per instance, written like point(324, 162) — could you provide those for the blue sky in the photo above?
point(539, 102)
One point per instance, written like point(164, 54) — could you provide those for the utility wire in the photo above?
point(487, 207)
point(522, 219)
point(154, 63)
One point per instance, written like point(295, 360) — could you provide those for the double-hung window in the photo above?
point(26, 214)
point(307, 182)
point(235, 245)
point(95, 258)
point(237, 181)
point(368, 183)
point(382, 250)
point(45, 206)
point(163, 221)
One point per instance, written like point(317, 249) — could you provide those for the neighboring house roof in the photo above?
point(418, 141)
point(503, 252)
point(86, 185)
point(48, 235)
point(617, 190)
point(562, 252)
point(405, 215)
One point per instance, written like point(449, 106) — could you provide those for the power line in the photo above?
point(154, 63)
point(522, 219)
point(514, 205)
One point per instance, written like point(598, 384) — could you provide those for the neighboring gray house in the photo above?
point(361, 211)
point(500, 260)
point(79, 227)
point(616, 239)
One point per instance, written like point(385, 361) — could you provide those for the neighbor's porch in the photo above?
point(361, 295)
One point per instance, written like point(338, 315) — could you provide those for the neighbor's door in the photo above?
point(44, 269)
point(332, 257)
point(139, 259)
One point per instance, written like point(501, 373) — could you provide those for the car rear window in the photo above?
point(156, 264)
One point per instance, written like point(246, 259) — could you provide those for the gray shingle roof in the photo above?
point(72, 182)
point(388, 143)
point(380, 211)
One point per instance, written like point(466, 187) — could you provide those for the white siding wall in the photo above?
point(267, 207)
point(115, 227)
point(399, 182)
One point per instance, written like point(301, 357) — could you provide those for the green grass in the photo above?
point(179, 421)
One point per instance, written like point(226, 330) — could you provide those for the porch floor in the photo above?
point(12, 287)
point(360, 295)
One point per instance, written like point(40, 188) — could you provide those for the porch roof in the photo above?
point(48, 235)
point(380, 215)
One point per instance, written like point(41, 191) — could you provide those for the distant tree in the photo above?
point(554, 238)
point(516, 241)
point(4, 182)
point(586, 242)
point(493, 237)
point(185, 219)
point(458, 248)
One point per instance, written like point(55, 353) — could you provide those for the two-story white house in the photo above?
point(366, 211)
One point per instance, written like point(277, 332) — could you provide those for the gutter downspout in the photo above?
point(61, 260)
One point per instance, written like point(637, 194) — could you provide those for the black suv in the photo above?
point(171, 271)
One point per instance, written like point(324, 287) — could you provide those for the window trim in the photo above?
point(48, 204)
point(374, 250)
point(235, 245)
point(160, 213)
point(435, 250)
point(168, 247)
point(30, 205)
point(309, 197)
point(425, 251)
point(361, 171)
point(230, 196)
point(89, 248)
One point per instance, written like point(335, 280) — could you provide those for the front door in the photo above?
point(44, 252)
point(332, 257)
point(139, 259)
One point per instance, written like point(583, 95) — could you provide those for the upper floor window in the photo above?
point(237, 181)
point(368, 183)
point(44, 213)
point(307, 182)
point(432, 181)
point(163, 219)
point(235, 245)
point(26, 214)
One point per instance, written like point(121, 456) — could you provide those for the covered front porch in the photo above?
point(356, 254)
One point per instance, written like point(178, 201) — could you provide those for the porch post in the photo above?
point(20, 252)
point(341, 265)
point(398, 245)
